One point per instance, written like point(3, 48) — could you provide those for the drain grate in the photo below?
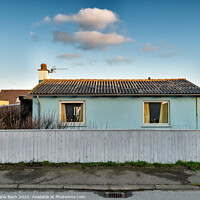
point(115, 195)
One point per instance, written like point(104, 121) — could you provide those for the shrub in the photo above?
point(12, 118)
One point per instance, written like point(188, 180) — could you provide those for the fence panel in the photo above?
point(164, 146)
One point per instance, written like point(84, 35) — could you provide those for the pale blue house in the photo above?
point(118, 104)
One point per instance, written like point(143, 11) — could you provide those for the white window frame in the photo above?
point(72, 123)
point(156, 124)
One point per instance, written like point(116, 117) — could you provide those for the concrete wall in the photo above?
point(99, 146)
point(124, 112)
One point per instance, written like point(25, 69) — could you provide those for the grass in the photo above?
point(196, 184)
point(190, 165)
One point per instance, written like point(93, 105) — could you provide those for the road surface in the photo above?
point(88, 195)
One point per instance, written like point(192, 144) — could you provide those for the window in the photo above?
point(156, 112)
point(72, 112)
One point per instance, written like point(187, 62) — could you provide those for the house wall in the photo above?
point(124, 112)
point(2, 103)
point(198, 113)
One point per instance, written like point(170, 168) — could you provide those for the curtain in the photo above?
point(163, 113)
point(81, 114)
point(146, 113)
point(63, 113)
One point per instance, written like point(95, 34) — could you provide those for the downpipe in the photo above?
point(39, 117)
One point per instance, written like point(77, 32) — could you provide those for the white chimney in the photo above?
point(43, 72)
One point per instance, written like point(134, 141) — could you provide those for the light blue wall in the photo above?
point(124, 112)
point(198, 119)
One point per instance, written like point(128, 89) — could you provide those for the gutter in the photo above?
point(39, 110)
point(118, 95)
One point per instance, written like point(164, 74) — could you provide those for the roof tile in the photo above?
point(115, 87)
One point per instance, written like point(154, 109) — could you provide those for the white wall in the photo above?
point(162, 146)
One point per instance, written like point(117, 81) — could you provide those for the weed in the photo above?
point(196, 184)
point(113, 190)
point(191, 165)
point(46, 163)
point(144, 164)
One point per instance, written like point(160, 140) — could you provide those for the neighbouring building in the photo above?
point(4, 103)
point(12, 96)
point(19, 98)
point(118, 103)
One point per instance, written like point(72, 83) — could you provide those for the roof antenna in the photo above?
point(53, 69)
point(149, 78)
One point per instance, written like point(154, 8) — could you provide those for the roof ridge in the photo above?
point(167, 79)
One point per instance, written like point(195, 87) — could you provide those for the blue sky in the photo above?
point(99, 39)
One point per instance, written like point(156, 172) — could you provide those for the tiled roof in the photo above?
point(12, 95)
point(116, 87)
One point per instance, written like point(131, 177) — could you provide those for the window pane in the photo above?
point(72, 112)
point(155, 112)
point(146, 113)
point(164, 113)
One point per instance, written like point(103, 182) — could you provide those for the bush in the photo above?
point(11, 118)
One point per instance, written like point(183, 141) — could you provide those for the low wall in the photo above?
point(163, 146)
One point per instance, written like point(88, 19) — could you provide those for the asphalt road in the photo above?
point(87, 195)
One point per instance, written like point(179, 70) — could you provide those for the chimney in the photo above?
point(43, 72)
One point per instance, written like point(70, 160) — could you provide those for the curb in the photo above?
point(87, 187)
point(133, 187)
point(10, 186)
point(34, 186)
point(102, 187)
point(177, 187)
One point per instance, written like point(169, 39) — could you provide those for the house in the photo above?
point(25, 106)
point(118, 104)
point(11, 96)
point(19, 98)
point(4, 103)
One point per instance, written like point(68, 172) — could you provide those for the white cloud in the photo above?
point(95, 18)
point(119, 60)
point(59, 18)
point(149, 48)
point(91, 39)
point(78, 64)
point(62, 37)
point(168, 50)
point(33, 36)
point(68, 56)
point(46, 20)
point(164, 50)
point(169, 54)
point(89, 18)
point(90, 21)
point(97, 40)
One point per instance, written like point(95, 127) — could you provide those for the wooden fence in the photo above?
point(163, 146)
